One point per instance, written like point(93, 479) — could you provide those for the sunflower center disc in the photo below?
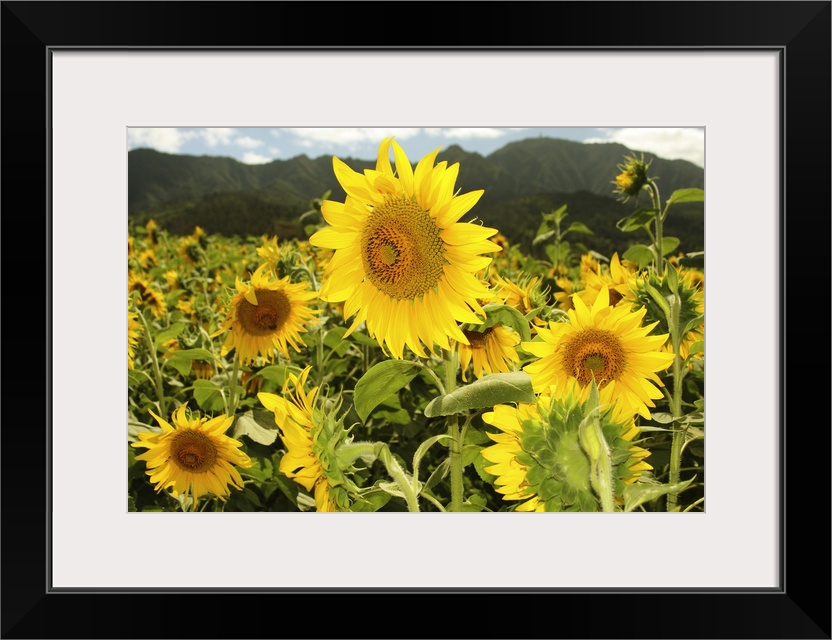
point(193, 451)
point(267, 316)
point(402, 251)
point(477, 338)
point(594, 353)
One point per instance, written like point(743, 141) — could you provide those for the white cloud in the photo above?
point(275, 151)
point(215, 136)
point(255, 158)
point(467, 133)
point(247, 142)
point(668, 142)
point(348, 138)
point(167, 140)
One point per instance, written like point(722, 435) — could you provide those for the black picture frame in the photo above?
point(799, 31)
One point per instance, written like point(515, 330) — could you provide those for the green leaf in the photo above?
point(474, 504)
point(505, 315)
point(168, 334)
point(360, 338)
point(490, 390)
point(543, 237)
point(380, 382)
point(638, 219)
point(370, 501)
point(579, 227)
point(640, 254)
point(208, 396)
point(257, 425)
point(696, 347)
point(334, 339)
point(637, 494)
point(672, 278)
point(669, 244)
point(686, 195)
point(278, 373)
point(470, 452)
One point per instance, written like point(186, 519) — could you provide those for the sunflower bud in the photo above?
point(632, 178)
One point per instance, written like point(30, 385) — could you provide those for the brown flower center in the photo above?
point(266, 317)
point(402, 251)
point(193, 451)
point(594, 353)
point(478, 339)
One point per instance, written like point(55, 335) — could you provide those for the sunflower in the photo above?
point(538, 456)
point(270, 252)
point(403, 263)
point(266, 315)
point(147, 294)
point(604, 343)
point(310, 438)
point(620, 281)
point(133, 328)
point(492, 350)
point(193, 456)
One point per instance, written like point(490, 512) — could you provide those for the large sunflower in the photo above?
point(266, 315)
point(403, 263)
point(538, 456)
point(194, 456)
point(604, 343)
point(310, 438)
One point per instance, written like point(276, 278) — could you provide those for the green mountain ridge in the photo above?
point(520, 180)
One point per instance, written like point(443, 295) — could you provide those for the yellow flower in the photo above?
point(604, 343)
point(492, 350)
point(266, 315)
point(620, 281)
point(193, 456)
point(538, 457)
point(305, 434)
point(147, 294)
point(270, 252)
point(133, 328)
point(403, 263)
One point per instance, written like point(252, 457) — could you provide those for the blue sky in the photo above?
point(262, 145)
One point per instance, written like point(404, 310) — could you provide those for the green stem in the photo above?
point(451, 359)
point(232, 387)
point(657, 204)
point(157, 370)
point(381, 451)
point(678, 440)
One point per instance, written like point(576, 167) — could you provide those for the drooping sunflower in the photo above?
point(492, 350)
point(403, 263)
point(148, 295)
point(133, 328)
point(193, 456)
point(538, 456)
point(265, 315)
point(604, 343)
point(310, 438)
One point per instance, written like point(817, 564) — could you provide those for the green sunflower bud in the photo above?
point(561, 455)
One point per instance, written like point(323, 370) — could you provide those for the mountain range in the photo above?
point(521, 180)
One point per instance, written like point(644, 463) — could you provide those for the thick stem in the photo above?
point(232, 387)
point(676, 401)
point(657, 204)
point(451, 359)
point(157, 370)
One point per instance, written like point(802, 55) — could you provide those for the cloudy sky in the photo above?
point(261, 145)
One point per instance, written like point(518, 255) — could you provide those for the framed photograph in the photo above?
point(86, 82)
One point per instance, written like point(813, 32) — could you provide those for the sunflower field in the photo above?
point(406, 357)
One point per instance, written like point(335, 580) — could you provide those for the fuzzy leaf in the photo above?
point(257, 425)
point(686, 195)
point(579, 227)
point(490, 390)
point(637, 494)
point(380, 382)
point(638, 219)
point(208, 395)
point(506, 316)
point(641, 254)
